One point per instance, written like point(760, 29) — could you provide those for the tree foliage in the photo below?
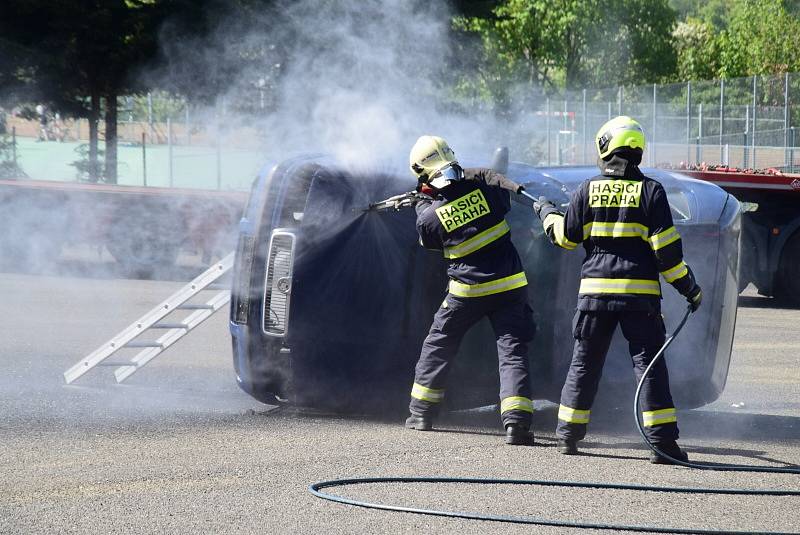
point(573, 43)
point(737, 38)
point(698, 50)
point(76, 54)
point(762, 38)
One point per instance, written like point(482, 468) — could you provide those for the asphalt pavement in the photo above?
point(180, 449)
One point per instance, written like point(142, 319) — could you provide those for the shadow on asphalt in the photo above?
point(760, 456)
point(708, 427)
point(759, 301)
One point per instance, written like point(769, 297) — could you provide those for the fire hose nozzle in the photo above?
point(397, 202)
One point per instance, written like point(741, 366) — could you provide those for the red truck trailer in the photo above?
point(770, 257)
point(144, 229)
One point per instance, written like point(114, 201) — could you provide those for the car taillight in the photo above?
point(240, 300)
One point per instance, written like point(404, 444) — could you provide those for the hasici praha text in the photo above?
point(461, 211)
point(614, 193)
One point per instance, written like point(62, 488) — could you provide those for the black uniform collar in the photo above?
point(451, 191)
point(619, 167)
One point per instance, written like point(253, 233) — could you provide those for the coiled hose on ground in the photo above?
point(316, 488)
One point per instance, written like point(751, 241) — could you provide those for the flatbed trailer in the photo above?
point(144, 228)
point(770, 257)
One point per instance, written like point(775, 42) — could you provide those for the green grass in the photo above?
point(192, 167)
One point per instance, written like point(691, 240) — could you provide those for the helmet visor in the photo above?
point(449, 172)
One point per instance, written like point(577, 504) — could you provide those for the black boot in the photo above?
point(670, 448)
point(419, 422)
point(567, 447)
point(518, 435)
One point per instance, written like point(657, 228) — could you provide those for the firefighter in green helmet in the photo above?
point(624, 222)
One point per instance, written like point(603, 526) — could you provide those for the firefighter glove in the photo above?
point(543, 204)
point(694, 297)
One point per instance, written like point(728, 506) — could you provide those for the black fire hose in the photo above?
point(699, 466)
point(316, 488)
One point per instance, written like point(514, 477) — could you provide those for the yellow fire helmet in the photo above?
point(434, 162)
point(619, 132)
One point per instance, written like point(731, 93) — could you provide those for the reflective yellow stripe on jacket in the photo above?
point(662, 239)
point(619, 286)
point(516, 403)
point(573, 416)
point(663, 416)
point(675, 273)
point(615, 229)
point(478, 241)
point(424, 393)
point(505, 284)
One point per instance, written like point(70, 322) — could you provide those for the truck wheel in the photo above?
point(789, 271)
point(747, 255)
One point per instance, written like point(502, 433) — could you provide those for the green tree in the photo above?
point(698, 50)
point(79, 54)
point(713, 12)
point(732, 39)
point(572, 43)
point(762, 37)
point(213, 50)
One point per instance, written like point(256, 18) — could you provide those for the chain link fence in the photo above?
point(744, 122)
point(161, 141)
point(749, 122)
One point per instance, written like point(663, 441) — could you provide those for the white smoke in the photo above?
point(362, 80)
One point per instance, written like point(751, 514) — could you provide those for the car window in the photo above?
point(679, 205)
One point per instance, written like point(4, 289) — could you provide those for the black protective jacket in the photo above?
point(624, 222)
point(466, 221)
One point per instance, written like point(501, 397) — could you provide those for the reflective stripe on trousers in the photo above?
point(661, 416)
point(573, 416)
point(511, 319)
point(434, 395)
point(516, 403)
point(593, 332)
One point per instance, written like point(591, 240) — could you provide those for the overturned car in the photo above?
point(331, 302)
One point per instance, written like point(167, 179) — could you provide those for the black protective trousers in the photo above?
point(645, 334)
point(512, 321)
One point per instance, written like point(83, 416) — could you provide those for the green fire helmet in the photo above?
point(618, 133)
point(429, 155)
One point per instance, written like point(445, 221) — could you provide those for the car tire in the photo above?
point(788, 283)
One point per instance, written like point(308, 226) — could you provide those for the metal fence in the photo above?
point(162, 141)
point(742, 122)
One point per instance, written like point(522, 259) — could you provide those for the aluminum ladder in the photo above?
point(151, 323)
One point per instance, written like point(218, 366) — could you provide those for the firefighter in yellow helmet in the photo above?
point(624, 222)
point(465, 219)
